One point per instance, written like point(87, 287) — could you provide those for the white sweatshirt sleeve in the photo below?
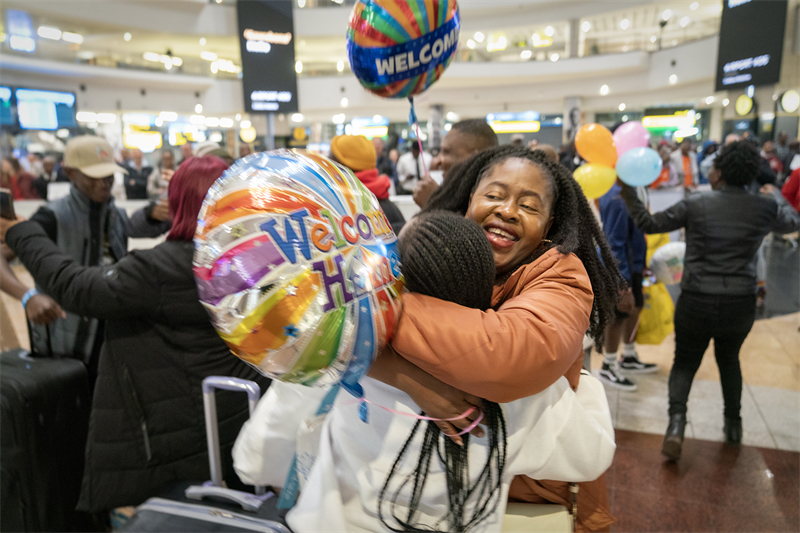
point(561, 435)
point(267, 442)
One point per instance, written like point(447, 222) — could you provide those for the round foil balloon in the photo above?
point(398, 48)
point(298, 267)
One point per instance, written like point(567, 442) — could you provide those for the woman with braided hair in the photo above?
point(555, 280)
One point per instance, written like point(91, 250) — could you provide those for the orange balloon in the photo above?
point(596, 145)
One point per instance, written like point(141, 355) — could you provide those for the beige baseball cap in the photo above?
point(91, 155)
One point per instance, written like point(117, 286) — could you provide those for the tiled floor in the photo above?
point(714, 487)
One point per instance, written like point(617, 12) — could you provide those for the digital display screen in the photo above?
point(45, 110)
point(266, 39)
point(750, 43)
point(6, 110)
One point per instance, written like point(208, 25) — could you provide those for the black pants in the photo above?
point(698, 319)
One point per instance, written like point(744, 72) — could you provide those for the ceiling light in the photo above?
point(208, 56)
point(725, 102)
point(666, 14)
point(238, 116)
point(151, 56)
point(586, 26)
point(694, 6)
point(214, 67)
point(479, 36)
point(526, 54)
point(554, 58)
point(604, 90)
point(168, 116)
point(685, 22)
point(498, 45)
point(86, 116)
point(70, 37)
point(218, 1)
point(709, 100)
point(549, 31)
point(49, 32)
point(198, 108)
point(245, 124)
point(21, 43)
point(203, 41)
point(158, 122)
point(211, 122)
point(624, 118)
point(340, 65)
point(63, 133)
point(653, 38)
point(452, 116)
point(167, 63)
point(344, 102)
point(226, 123)
point(301, 3)
point(338, 119)
point(298, 67)
point(470, 43)
point(177, 61)
point(622, 107)
point(377, 118)
point(297, 117)
point(127, 36)
point(673, 79)
point(197, 120)
point(624, 23)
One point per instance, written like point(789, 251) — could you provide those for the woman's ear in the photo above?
point(547, 228)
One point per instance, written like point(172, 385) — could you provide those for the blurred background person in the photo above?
point(412, 167)
point(709, 147)
point(244, 149)
point(139, 171)
point(187, 151)
point(20, 182)
point(385, 165)
point(718, 289)
point(159, 178)
point(668, 177)
point(147, 426)
point(358, 154)
point(518, 140)
point(685, 162)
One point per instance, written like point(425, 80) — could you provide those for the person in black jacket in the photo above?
point(147, 428)
point(724, 229)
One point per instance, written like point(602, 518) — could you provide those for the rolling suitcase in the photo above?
point(212, 507)
point(44, 422)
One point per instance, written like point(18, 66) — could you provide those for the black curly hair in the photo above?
point(447, 256)
point(574, 229)
point(738, 163)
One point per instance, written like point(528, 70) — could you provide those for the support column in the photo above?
point(715, 124)
point(573, 38)
point(436, 130)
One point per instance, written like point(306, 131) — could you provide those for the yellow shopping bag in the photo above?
point(656, 318)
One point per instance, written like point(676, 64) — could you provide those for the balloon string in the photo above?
point(465, 414)
point(419, 139)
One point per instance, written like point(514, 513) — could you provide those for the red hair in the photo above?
point(187, 190)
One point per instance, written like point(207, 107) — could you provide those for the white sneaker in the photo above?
point(611, 376)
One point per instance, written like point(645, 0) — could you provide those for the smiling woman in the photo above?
point(551, 286)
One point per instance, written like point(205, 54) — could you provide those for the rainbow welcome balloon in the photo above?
point(399, 48)
point(298, 268)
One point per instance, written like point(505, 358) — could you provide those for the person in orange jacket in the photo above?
point(556, 279)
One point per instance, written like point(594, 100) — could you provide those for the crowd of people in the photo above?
point(538, 270)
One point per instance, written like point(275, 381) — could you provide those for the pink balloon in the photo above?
point(631, 135)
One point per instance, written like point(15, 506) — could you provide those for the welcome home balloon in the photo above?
point(399, 48)
point(298, 268)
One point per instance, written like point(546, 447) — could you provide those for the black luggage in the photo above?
point(44, 421)
point(212, 507)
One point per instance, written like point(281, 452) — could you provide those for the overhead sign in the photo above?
point(370, 127)
point(750, 43)
point(266, 39)
point(525, 122)
point(681, 120)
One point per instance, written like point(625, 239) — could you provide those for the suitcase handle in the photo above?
point(217, 487)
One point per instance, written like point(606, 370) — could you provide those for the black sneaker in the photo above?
point(631, 363)
point(611, 376)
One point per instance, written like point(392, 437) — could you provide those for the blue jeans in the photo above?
point(698, 319)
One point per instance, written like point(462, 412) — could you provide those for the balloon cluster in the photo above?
point(625, 154)
point(298, 268)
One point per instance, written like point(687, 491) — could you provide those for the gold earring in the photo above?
point(548, 241)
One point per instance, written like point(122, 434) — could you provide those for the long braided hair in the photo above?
point(447, 256)
point(574, 229)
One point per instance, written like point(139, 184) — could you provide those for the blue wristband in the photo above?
point(27, 296)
